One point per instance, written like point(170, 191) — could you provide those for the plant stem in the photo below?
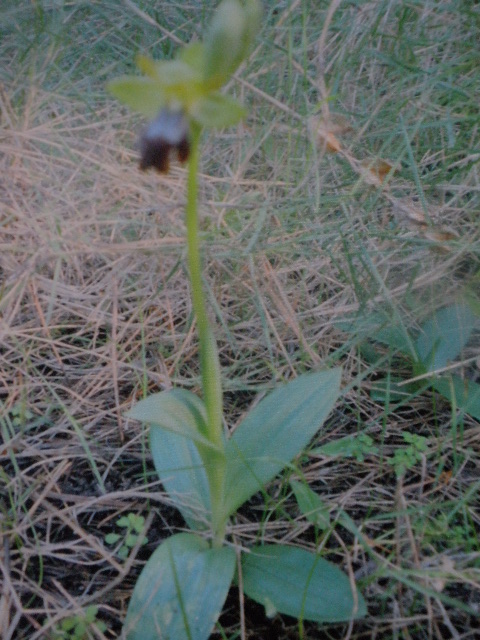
point(214, 461)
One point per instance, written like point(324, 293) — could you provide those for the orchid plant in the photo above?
point(207, 473)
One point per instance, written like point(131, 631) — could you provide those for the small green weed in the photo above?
point(444, 531)
point(406, 458)
point(360, 446)
point(20, 415)
point(78, 627)
point(133, 526)
point(349, 447)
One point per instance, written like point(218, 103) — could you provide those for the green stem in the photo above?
point(209, 362)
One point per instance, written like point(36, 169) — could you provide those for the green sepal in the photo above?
point(146, 65)
point(144, 95)
point(217, 111)
point(253, 18)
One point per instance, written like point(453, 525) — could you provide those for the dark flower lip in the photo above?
point(166, 133)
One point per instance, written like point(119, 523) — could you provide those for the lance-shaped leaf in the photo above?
point(177, 410)
point(298, 583)
point(181, 591)
point(463, 394)
point(444, 335)
point(275, 431)
point(177, 420)
point(180, 468)
point(311, 505)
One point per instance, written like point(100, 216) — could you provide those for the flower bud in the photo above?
point(228, 39)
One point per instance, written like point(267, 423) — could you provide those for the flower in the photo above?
point(166, 133)
point(177, 93)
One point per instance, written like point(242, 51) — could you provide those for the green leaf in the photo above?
point(419, 443)
point(140, 94)
point(311, 505)
point(177, 419)
point(342, 448)
point(463, 394)
point(299, 584)
point(124, 521)
point(69, 623)
point(346, 521)
point(91, 613)
point(131, 540)
point(180, 468)
point(80, 630)
point(394, 336)
point(178, 410)
point(112, 538)
point(275, 431)
point(181, 590)
point(380, 328)
point(444, 335)
point(217, 111)
point(137, 522)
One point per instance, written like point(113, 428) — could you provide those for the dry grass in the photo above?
point(95, 312)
